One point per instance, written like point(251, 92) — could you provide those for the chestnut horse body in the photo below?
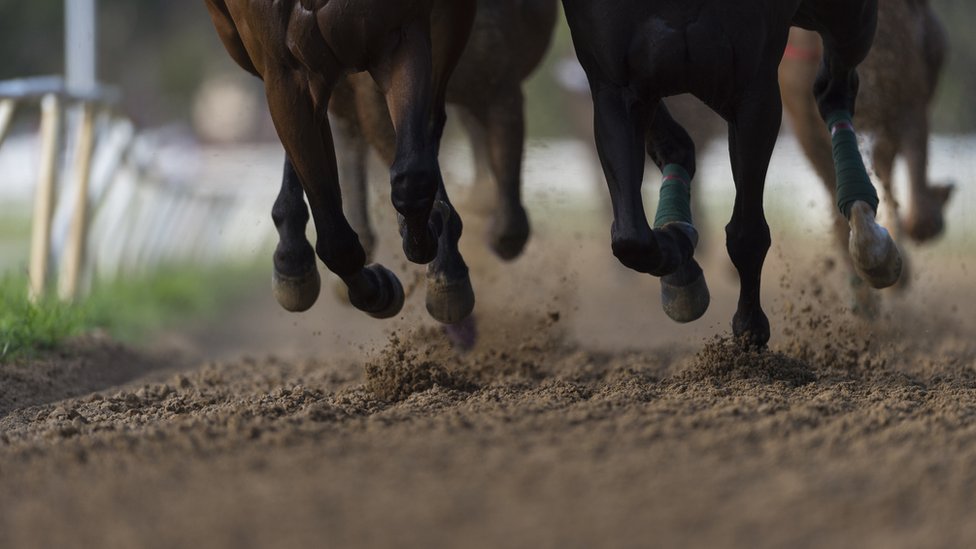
point(637, 52)
point(302, 49)
point(898, 82)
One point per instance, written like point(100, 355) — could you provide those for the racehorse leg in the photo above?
point(504, 121)
point(847, 34)
point(752, 135)
point(295, 280)
point(684, 294)
point(352, 153)
point(619, 132)
point(450, 297)
point(883, 161)
point(924, 220)
point(303, 127)
point(481, 198)
point(405, 77)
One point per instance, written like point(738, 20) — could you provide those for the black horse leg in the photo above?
point(752, 135)
point(295, 281)
point(684, 294)
point(450, 297)
point(619, 131)
point(847, 30)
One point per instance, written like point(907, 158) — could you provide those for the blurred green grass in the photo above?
point(128, 310)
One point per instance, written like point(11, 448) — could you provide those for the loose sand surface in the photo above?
point(583, 418)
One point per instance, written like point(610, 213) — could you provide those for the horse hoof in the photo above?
point(296, 293)
point(876, 257)
point(507, 238)
point(449, 300)
point(389, 303)
point(925, 219)
point(684, 294)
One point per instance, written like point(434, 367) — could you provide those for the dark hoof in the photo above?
point(925, 219)
point(684, 294)
point(508, 234)
point(751, 329)
point(418, 248)
point(389, 298)
point(296, 293)
point(449, 300)
point(462, 335)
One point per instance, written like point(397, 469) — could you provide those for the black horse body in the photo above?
point(636, 52)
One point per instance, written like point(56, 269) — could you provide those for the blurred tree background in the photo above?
point(160, 51)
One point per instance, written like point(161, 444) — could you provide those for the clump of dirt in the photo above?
point(728, 359)
point(414, 364)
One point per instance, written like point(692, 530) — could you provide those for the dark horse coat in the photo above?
point(635, 52)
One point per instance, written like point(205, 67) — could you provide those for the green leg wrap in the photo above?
point(853, 183)
point(674, 203)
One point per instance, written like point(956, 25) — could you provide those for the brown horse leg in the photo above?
point(924, 219)
point(509, 227)
point(481, 198)
point(306, 136)
point(752, 136)
point(352, 152)
point(405, 78)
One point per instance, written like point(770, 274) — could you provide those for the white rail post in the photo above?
point(7, 107)
point(44, 195)
point(74, 253)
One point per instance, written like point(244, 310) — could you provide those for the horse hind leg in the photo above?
point(306, 136)
point(684, 294)
point(295, 280)
point(509, 229)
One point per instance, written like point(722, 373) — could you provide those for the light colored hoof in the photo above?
point(685, 303)
point(876, 257)
point(449, 300)
point(296, 293)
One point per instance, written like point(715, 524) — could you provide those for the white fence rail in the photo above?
point(103, 210)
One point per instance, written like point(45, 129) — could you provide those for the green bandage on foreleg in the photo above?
point(853, 183)
point(674, 203)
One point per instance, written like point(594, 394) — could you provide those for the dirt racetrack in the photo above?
point(582, 419)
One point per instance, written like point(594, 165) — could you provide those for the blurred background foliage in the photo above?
point(160, 53)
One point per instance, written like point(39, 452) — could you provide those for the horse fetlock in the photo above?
point(684, 294)
point(874, 253)
point(637, 251)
